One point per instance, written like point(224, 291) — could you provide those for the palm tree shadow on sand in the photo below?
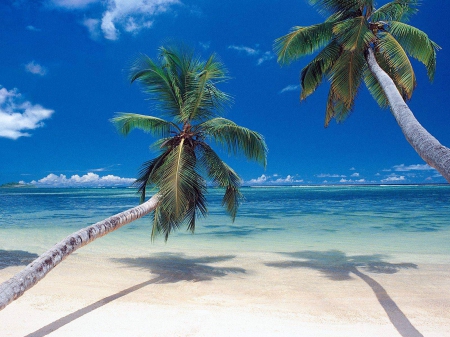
point(169, 267)
point(337, 266)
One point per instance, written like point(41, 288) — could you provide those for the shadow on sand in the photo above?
point(170, 267)
point(337, 266)
point(10, 258)
point(177, 267)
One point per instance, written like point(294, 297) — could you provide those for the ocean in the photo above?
point(402, 222)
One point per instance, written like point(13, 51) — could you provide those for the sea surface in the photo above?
point(394, 221)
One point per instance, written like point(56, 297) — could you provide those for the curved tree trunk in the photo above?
point(428, 147)
point(36, 270)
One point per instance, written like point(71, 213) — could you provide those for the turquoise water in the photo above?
point(392, 220)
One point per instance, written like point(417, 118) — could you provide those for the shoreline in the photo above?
point(232, 293)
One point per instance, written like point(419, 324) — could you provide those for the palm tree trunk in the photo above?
point(36, 270)
point(428, 147)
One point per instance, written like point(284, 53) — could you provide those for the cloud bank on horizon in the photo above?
point(92, 179)
point(88, 180)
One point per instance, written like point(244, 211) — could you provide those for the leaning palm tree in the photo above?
point(184, 88)
point(356, 43)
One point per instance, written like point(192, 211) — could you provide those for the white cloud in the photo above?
point(260, 180)
point(132, 15)
point(417, 167)
point(128, 15)
point(88, 180)
point(72, 4)
point(343, 180)
point(327, 175)
point(393, 178)
point(17, 115)
point(93, 26)
point(205, 45)
point(263, 56)
point(356, 174)
point(274, 180)
point(102, 169)
point(247, 50)
point(290, 87)
point(33, 29)
point(352, 169)
point(35, 68)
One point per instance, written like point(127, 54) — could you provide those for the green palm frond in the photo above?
point(336, 108)
point(236, 139)
point(150, 174)
point(158, 84)
point(125, 122)
point(336, 6)
point(181, 189)
point(398, 10)
point(302, 41)
point(354, 34)
point(417, 44)
point(400, 68)
point(163, 222)
point(312, 75)
point(346, 78)
point(177, 177)
point(202, 98)
point(375, 89)
point(222, 175)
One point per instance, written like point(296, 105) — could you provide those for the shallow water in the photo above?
point(396, 221)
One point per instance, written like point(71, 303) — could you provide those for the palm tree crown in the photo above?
point(352, 27)
point(184, 88)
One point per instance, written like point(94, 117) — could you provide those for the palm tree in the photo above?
point(359, 42)
point(184, 89)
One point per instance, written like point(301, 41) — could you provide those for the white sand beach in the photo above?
point(199, 293)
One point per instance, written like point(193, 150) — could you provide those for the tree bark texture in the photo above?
point(432, 152)
point(36, 270)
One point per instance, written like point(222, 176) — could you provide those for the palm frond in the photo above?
point(302, 41)
point(375, 89)
point(312, 75)
point(158, 83)
point(202, 97)
point(163, 222)
point(150, 175)
point(125, 122)
point(398, 10)
point(236, 139)
point(354, 34)
point(400, 68)
point(336, 108)
point(417, 44)
point(335, 6)
point(222, 175)
point(181, 189)
point(346, 78)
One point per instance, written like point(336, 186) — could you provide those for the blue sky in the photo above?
point(64, 73)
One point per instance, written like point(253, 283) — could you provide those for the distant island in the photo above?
point(15, 185)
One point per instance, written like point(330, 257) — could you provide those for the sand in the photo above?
point(223, 293)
